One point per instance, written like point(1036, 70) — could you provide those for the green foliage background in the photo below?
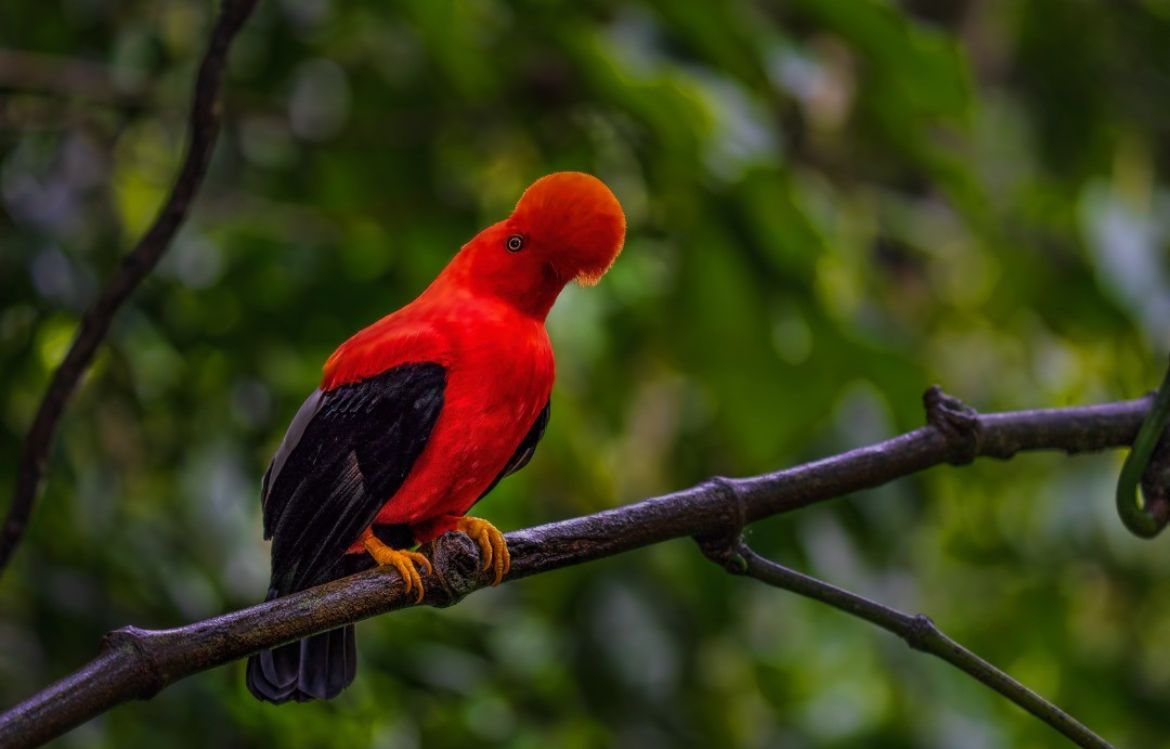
point(833, 204)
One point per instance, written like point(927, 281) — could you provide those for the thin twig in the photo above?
point(95, 323)
point(136, 663)
point(920, 633)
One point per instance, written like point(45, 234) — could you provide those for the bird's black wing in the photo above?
point(525, 451)
point(346, 453)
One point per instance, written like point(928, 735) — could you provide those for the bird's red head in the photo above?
point(566, 227)
point(574, 222)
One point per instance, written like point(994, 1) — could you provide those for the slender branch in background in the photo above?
point(95, 324)
point(919, 632)
point(136, 663)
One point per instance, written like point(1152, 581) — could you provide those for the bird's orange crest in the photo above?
point(578, 219)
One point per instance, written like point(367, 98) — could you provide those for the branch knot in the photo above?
point(722, 545)
point(919, 632)
point(133, 641)
point(457, 567)
point(957, 422)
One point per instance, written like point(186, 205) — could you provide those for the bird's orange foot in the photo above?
point(406, 562)
point(492, 546)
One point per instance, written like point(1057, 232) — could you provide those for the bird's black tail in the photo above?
point(316, 668)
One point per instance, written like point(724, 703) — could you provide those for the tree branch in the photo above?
point(919, 632)
point(136, 663)
point(95, 323)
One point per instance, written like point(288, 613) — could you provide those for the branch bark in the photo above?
point(136, 663)
point(95, 323)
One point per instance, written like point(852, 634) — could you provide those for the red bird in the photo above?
point(421, 414)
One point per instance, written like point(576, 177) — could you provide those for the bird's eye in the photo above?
point(515, 243)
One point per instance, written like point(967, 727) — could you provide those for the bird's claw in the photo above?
point(492, 546)
point(406, 562)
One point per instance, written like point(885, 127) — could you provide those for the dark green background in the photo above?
point(833, 204)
